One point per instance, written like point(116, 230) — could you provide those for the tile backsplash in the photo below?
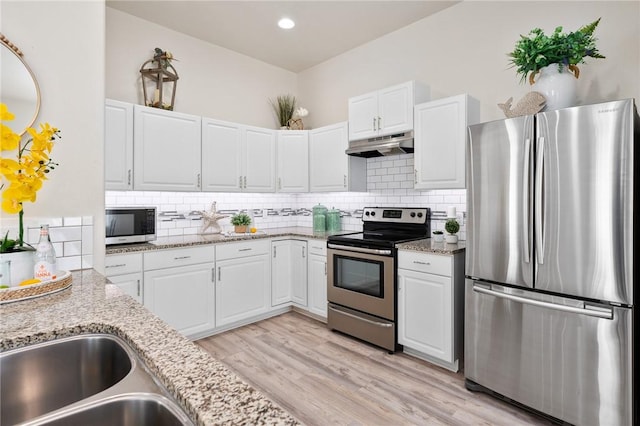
point(72, 238)
point(389, 184)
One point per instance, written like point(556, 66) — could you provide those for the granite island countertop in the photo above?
point(197, 239)
point(208, 391)
point(427, 245)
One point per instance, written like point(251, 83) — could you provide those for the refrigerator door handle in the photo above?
point(598, 312)
point(539, 240)
point(526, 190)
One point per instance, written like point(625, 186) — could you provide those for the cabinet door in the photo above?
point(425, 313)
point(363, 116)
point(183, 297)
point(395, 109)
point(167, 150)
point(221, 156)
point(440, 140)
point(328, 163)
point(118, 145)
point(318, 285)
point(242, 288)
point(293, 161)
point(299, 272)
point(131, 284)
point(281, 277)
point(260, 160)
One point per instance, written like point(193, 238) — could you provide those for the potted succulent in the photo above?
point(452, 227)
point(240, 222)
point(555, 57)
point(438, 236)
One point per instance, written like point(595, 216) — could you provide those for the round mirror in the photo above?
point(19, 89)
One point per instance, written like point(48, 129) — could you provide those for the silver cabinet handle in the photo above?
point(421, 263)
point(181, 257)
point(138, 282)
point(279, 183)
point(379, 123)
point(274, 252)
point(526, 190)
point(325, 269)
point(213, 275)
point(218, 274)
point(303, 254)
point(246, 249)
point(245, 182)
point(344, 179)
point(240, 181)
point(129, 177)
point(115, 266)
point(199, 180)
point(596, 312)
point(539, 241)
point(415, 175)
point(374, 124)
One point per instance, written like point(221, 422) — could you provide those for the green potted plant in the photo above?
point(240, 222)
point(555, 57)
point(452, 227)
point(438, 236)
point(537, 50)
point(284, 106)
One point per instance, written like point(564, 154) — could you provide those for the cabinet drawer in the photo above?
point(425, 262)
point(178, 257)
point(318, 247)
point(242, 249)
point(118, 264)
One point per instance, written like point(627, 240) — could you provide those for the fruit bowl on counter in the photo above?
point(31, 288)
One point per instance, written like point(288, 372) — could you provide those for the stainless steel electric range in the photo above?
point(361, 273)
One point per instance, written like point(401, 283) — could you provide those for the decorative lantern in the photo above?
point(159, 79)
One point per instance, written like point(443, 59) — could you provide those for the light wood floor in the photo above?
point(325, 378)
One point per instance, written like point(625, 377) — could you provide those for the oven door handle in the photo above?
point(376, 323)
point(383, 252)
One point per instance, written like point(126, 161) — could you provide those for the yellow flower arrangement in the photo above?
point(24, 175)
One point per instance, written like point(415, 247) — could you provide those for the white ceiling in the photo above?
point(323, 29)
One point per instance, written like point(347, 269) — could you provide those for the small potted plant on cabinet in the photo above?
point(452, 227)
point(240, 222)
point(438, 236)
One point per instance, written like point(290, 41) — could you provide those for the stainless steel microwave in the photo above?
point(126, 225)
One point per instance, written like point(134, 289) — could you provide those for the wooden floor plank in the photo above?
point(326, 378)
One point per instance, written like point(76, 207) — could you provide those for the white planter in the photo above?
point(451, 238)
point(21, 267)
point(558, 88)
point(438, 238)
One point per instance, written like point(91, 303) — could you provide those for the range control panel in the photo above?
point(416, 215)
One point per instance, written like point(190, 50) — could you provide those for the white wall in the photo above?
point(464, 48)
point(63, 43)
point(214, 82)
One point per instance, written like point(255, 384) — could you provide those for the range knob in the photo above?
point(373, 213)
point(413, 214)
point(366, 213)
point(419, 214)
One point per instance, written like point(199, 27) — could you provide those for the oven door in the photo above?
point(362, 279)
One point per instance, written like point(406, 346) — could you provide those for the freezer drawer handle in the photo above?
point(596, 312)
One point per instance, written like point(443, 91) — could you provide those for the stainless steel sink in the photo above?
point(128, 410)
point(94, 379)
point(44, 377)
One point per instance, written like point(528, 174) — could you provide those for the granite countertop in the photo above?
point(208, 391)
point(429, 246)
point(195, 240)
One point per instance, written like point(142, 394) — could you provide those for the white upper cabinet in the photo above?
point(167, 150)
point(440, 140)
point(118, 145)
point(237, 158)
point(293, 161)
point(330, 169)
point(221, 156)
point(385, 112)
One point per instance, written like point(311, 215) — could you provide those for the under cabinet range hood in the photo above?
point(401, 143)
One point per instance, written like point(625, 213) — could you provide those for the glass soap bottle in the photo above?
point(45, 267)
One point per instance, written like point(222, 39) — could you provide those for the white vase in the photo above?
point(438, 238)
point(21, 267)
point(451, 238)
point(558, 87)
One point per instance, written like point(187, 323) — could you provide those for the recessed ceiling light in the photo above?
point(286, 23)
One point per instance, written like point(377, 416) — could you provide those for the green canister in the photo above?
point(319, 218)
point(333, 220)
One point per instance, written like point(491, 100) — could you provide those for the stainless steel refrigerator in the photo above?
point(550, 320)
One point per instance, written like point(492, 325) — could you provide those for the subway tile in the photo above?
point(87, 220)
point(87, 261)
point(87, 239)
point(72, 221)
point(69, 233)
point(69, 263)
point(71, 248)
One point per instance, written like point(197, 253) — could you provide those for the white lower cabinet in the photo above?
point(243, 281)
point(431, 306)
point(289, 272)
point(125, 271)
point(317, 278)
point(179, 288)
